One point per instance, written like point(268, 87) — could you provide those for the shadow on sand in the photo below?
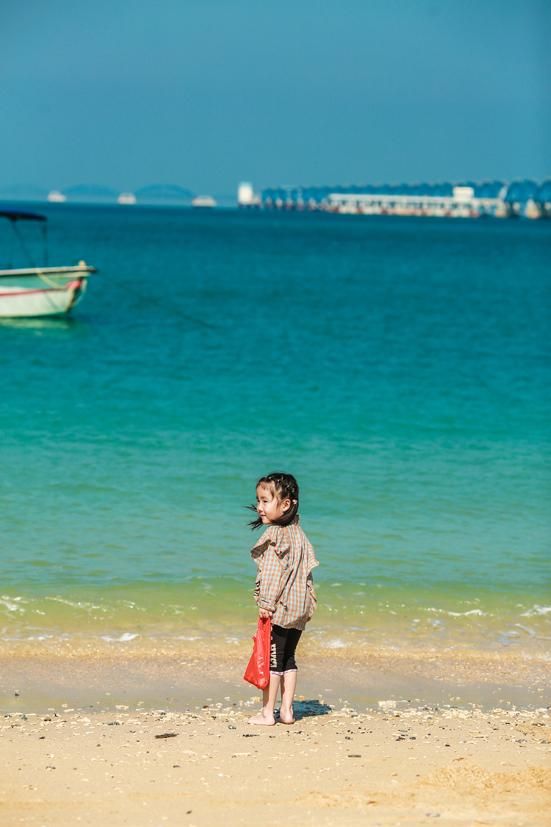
point(307, 709)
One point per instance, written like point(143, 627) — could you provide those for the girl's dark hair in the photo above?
point(284, 486)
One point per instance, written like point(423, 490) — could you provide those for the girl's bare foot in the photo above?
point(262, 720)
point(286, 716)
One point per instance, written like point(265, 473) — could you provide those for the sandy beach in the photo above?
point(161, 737)
point(394, 765)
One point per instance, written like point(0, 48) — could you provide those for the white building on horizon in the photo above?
point(461, 204)
point(246, 196)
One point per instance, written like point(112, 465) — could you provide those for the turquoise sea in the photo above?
point(398, 367)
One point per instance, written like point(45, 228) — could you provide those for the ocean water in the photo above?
point(399, 368)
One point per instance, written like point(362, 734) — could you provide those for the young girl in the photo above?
point(284, 587)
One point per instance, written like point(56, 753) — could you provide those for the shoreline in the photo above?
point(178, 674)
point(335, 766)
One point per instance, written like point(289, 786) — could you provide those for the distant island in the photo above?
point(164, 192)
point(160, 194)
point(154, 195)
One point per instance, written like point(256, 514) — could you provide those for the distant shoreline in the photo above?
point(468, 200)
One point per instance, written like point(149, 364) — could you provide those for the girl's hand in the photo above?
point(264, 613)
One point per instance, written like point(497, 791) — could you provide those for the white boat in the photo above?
point(40, 291)
point(126, 198)
point(56, 197)
point(203, 202)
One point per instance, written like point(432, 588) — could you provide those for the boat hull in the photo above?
point(48, 292)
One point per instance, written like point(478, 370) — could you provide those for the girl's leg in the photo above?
point(269, 696)
point(289, 679)
point(288, 687)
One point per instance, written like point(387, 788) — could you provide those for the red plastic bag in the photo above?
point(258, 667)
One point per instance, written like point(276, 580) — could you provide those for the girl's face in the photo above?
point(269, 506)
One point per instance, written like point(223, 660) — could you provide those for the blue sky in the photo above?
point(204, 93)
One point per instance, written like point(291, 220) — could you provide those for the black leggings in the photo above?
point(282, 650)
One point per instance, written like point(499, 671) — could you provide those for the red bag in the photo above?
point(258, 667)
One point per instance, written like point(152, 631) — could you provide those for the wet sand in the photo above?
point(395, 765)
point(178, 675)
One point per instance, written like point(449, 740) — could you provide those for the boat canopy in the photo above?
point(18, 215)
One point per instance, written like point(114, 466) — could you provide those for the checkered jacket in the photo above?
point(284, 583)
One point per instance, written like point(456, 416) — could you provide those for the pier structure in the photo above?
point(461, 204)
point(528, 199)
point(525, 199)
